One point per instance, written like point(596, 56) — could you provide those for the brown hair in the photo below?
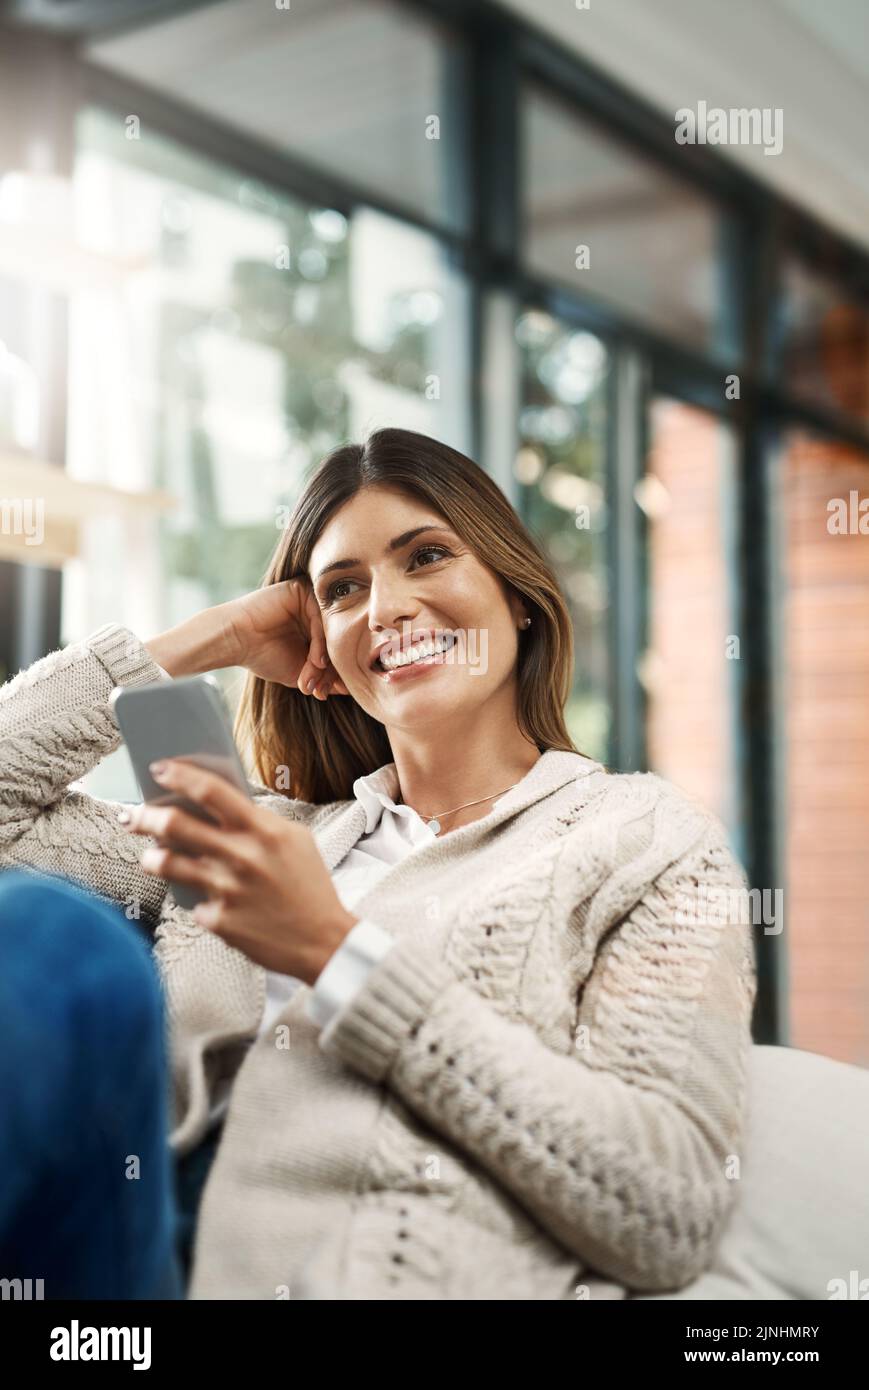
point(326, 745)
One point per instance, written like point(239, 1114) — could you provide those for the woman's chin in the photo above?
point(411, 712)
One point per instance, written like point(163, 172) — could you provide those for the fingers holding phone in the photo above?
point(260, 881)
point(185, 719)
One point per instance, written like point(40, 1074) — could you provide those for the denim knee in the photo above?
point(38, 906)
point(83, 1090)
point(74, 967)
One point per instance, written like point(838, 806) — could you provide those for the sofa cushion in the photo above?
point(801, 1219)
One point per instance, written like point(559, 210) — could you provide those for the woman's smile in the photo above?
point(414, 668)
point(411, 657)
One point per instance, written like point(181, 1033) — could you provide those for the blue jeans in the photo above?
point(90, 1201)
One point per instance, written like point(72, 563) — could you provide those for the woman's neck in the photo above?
point(438, 786)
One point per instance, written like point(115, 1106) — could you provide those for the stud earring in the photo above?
point(526, 622)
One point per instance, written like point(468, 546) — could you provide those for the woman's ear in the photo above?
point(520, 609)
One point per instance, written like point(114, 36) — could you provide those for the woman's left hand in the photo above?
point(269, 893)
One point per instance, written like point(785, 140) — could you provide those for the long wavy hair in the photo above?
point(325, 745)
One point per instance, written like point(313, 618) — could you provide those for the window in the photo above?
point(242, 335)
point(367, 91)
point(653, 245)
point(821, 340)
point(561, 469)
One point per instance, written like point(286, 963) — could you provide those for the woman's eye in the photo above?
point(438, 551)
point(431, 549)
point(333, 591)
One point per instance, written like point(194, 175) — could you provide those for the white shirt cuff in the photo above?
point(347, 970)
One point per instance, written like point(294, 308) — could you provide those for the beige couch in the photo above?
point(801, 1221)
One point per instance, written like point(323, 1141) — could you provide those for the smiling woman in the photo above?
point(450, 1010)
point(404, 540)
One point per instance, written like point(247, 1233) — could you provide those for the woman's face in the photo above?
point(392, 586)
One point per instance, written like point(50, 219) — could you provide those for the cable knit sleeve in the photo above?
point(55, 726)
point(625, 1144)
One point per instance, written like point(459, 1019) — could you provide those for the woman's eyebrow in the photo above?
point(395, 544)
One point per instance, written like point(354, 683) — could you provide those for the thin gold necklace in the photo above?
point(433, 822)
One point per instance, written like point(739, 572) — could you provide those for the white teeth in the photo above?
point(418, 652)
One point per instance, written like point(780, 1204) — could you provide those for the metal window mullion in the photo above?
point(760, 746)
point(493, 255)
point(759, 749)
point(627, 560)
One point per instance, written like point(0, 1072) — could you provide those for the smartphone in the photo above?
point(184, 718)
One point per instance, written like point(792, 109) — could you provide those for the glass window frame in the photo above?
point(502, 51)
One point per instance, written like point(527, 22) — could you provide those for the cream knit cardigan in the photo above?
point(538, 1094)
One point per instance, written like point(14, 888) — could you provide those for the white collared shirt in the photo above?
point(391, 831)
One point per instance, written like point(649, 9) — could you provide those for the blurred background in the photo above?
point(236, 234)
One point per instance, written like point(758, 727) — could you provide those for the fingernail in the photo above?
point(157, 769)
point(310, 683)
point(123, 817)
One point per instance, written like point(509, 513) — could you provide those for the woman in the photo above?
point(450, 1024)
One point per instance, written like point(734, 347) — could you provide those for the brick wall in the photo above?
point(824, 630)
point(687, 674)
point(826, 661)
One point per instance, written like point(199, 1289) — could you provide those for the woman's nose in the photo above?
point(389, 607)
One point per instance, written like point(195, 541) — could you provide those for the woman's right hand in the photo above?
point(277, 633)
